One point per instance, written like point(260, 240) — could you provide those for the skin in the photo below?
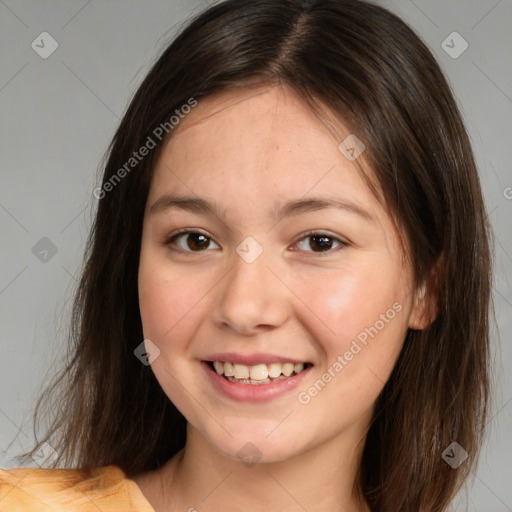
point(250, 151)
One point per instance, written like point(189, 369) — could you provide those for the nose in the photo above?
point(251, 298)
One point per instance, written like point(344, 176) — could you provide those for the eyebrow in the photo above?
point(300, 206)
point(290, 209)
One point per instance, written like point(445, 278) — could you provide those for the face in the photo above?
point(261, 245)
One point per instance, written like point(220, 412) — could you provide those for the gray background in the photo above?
point(58, 114)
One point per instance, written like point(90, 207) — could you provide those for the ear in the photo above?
point(425, 306)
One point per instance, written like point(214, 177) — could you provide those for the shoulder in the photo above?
point(104, 488)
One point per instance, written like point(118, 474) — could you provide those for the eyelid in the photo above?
point(168, 241)
point(343, 242)
point(187, 230)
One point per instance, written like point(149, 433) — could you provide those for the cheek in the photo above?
point(167, 300)
point(348, 300)
point(169, 308)
point(360, 324)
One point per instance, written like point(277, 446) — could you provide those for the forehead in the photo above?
point(261, 136)
point(276, 112)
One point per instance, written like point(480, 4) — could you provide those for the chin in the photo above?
point(251, 446)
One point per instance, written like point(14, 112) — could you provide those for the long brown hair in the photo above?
point(373, 73)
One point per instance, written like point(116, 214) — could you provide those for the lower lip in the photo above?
point(253, 393)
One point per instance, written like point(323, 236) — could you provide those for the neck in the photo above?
point(200, 478)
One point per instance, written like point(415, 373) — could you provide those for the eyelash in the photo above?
point(170, 241)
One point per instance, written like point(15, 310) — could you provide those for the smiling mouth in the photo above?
point(257, 374)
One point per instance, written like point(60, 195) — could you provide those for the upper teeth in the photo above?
point(258, 371)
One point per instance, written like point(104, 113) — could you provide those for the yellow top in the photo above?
point(104, 489)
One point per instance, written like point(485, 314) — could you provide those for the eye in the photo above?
point(319, 242)
point(190, 241)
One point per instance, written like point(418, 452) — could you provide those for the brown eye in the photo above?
point(190, 241)
point(197, 241)
point(320, 242)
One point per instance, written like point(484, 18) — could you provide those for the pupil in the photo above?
point(322, 242)
point(197, 241)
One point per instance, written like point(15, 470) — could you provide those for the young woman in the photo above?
point(285, 299)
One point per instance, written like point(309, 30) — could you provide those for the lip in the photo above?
point(249, 392)
point(252, 359)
